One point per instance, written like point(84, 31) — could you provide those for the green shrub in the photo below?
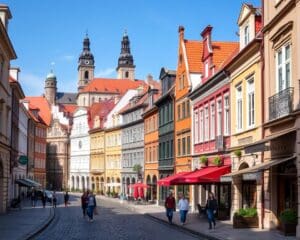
point(203, 159)
point(217, 161)
point(288, 216)
point(246, 212)
point(238, 153)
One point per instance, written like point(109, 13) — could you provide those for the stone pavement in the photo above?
point(197, 225)
point(26, 222)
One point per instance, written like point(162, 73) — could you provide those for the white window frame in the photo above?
point(246, 34)
point(250, 102)
point(283, 67)
point(206, 122)
point(201, 132)
point(239, 111)
point(212, 120)
point(226, 115)
point(219, 116)
point(196, 126)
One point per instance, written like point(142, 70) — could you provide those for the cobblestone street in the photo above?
point(113, 222)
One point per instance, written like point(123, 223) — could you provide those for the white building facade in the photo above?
point(80, 151)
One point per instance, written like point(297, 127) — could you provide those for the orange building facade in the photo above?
point(151, 152)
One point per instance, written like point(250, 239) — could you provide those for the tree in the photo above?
point(137, 168)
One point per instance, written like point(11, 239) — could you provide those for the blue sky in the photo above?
point(49, 31)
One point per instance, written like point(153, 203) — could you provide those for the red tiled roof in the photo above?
point(222, 51)
point(41, 104)
point(101, 109)
point(194, 51)
point(109, 85)
point(68, 109)
point(142, 98)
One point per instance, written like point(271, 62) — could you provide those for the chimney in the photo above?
point(207, 46)
point(14, 73)
point(181, 32)
point(5, 15)
point(149, 78)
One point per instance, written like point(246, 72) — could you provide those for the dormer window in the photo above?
point(246, 35)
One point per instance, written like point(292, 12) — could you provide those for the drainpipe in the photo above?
point(262, 115)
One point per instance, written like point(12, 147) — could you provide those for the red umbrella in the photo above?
point(141, 192)
point(135, 192)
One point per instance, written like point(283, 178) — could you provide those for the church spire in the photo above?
point(85, 64)
point(126, 65)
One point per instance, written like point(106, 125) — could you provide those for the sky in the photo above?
point(48, 34)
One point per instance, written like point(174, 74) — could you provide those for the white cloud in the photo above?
point(68, 58)
point(33, 85)
point(108, 72)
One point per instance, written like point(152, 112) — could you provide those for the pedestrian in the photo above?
point(43, 199)
point(84, 199)
point(211, 209)
point(170, 206)
point(33, 197)
point(91, 206)
point(66, 198)
point(54, 199)
point(183, 206)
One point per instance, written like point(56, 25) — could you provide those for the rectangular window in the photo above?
point(226, 115)
point(201, 133)
point(283, 67)
point(166, 115)
point(219, 117)
point(188, 145)
point(250, 102)
point(212, 120)
point(188, 108)
point(196, 126)
point(171, 111)
point(160, 151)
point(206, 123)
point(171, 148)
point(183, 146)
point(246, 35)
point(164, 150)
point(183, 110)
point(239, 108)
point(178, 112)
point(178, 147)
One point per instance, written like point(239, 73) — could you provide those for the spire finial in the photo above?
point(125, 33)
point(86, 33)
point(52, 67)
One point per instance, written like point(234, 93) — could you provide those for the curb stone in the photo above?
point(42, 227)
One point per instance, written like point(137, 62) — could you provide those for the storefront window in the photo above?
point(185, 189)
point(249, 194)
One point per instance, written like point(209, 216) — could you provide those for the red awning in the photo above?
point(167, 181)
point(203, 175)
point(138, 185)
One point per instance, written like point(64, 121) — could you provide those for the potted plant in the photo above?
point(203, 161)
point(238, 153)
point(217, 161)
point(288, 222)
point(245, 218)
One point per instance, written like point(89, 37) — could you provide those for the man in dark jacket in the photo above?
point(170, 206)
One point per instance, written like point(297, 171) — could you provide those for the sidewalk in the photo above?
point(197, 225)
point(25, 223)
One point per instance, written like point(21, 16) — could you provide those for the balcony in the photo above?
point(281, 104)
point(220, 143)
point(166, 164)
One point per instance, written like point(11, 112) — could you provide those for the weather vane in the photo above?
point(52, 66)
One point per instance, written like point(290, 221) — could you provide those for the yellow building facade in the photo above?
point(113, 155)
point(97, 160)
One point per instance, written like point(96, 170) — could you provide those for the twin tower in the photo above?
point(86, 67)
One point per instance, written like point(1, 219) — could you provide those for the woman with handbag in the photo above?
point(211, 209)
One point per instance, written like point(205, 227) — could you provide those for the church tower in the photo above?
point(50, 88)
point(125, 67)
point(85, 65)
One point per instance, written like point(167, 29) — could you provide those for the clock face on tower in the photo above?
point(87, 61)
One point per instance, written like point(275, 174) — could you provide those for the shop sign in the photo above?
point(250, 176)
point(23, 160)
point(261, 147)
point(226, 179)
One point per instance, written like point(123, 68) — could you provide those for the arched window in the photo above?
point(126, 74)
point(86, 75)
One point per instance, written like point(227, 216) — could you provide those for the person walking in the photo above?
point(84, 199)
point(66, 198)
point(43, 199)
point(54, 199)
point(170, 206)
point(33, 197)
point(183, 206)
point(211, 209)
point(91, 206)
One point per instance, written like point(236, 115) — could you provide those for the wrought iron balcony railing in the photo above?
point(281, 104)
point(166, 163)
